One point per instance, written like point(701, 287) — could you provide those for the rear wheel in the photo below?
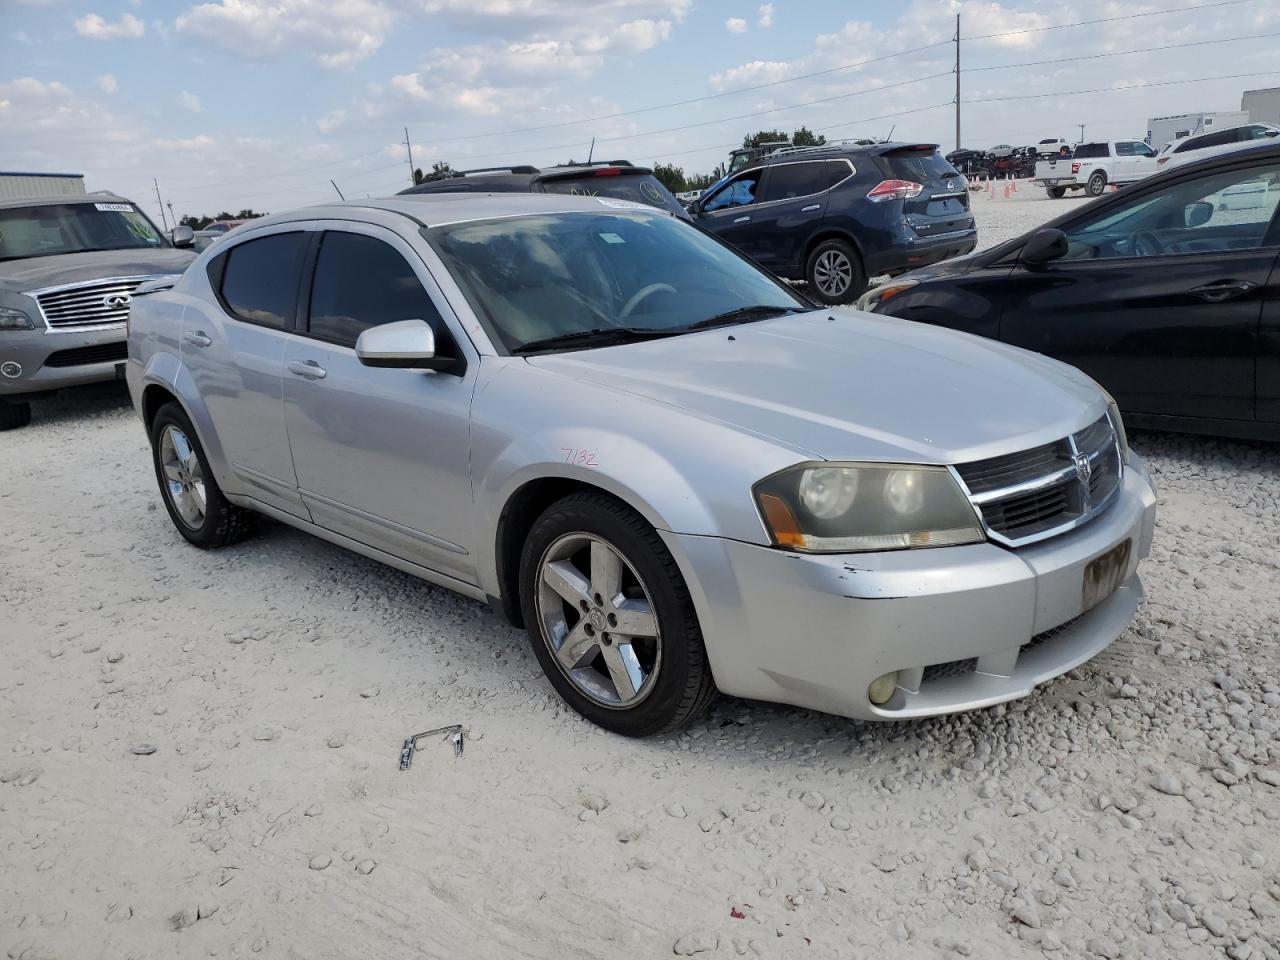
point(14, 415)
point(1097, 184)
point(835, 274)
point(191, 494)
point(610, 618)
point(1057, 193)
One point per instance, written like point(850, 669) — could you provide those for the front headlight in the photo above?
point(878, 295)
point(11, 319)
point(1117, 424)
point(857, 507)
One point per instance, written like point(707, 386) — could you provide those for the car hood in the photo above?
point(35, 273)
point(847, 385)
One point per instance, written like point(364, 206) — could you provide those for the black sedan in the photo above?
point(1167, 293)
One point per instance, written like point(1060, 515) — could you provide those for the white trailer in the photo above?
point(1163, 130)
point(1263, 106)
point(19, 186)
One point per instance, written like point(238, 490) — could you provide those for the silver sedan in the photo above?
point(668, 467)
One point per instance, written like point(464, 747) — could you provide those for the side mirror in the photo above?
point(1271, 133)
point(405, 345)
point(183, 236)
point(1043, 246)
point(1197, 214)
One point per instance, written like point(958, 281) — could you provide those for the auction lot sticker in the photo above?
point(114, 207)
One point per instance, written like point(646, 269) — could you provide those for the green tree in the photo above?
point(804, 137)
point(199, 223)
point(418, 176)
point(670, 176)
point(764, 136)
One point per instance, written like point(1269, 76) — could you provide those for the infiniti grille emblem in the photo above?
point(114, 301)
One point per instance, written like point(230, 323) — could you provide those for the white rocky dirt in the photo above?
point(198, 756)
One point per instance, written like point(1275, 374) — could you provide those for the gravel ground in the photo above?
point(198, 757)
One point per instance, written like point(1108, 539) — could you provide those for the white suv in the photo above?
point(1203, 145)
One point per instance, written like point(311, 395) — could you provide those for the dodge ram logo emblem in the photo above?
point(116, 301)
point(1084, 469)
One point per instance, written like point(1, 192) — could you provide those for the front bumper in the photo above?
point(966, 627)
point(82, 351)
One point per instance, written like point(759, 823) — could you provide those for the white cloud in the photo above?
point(189, 101)
point(736, 25)
point(107, 83)
point(336, 34)
point(199, 142)
point(521, 17)
point(331, 121)
point(127, 27)
point(765, 15)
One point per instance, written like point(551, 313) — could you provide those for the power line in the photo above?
point(1127, 16)
point(1121, 53)
point(254, 178)
point(1127, 86)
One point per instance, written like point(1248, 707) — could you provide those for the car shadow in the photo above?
point(80, 403)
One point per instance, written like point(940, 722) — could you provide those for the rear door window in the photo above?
point(636, 187)
point(259, 282)
point(790, 180)
point(362, 282)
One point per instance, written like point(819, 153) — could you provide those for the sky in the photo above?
point(259, 103)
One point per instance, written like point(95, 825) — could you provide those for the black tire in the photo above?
point(14, 415)
point(1097, 185)
point(683, 686)
point(838, 251)
point(223, 522)
point(1057, 193)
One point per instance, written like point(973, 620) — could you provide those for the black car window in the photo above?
point(1254, 132)
point(836, 170)
point(1212, 213)
point(917, 166)
point(1143, 149)
point(362, 282)
point(636, 187)
point(259, 282)
point(736, 193)
point(1124, 148)
point(790, 180)
point(1091, 151)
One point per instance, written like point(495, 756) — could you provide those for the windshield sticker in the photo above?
point(620, 204)
point(114, 207)
point(611, 238)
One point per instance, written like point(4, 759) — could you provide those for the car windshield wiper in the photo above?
point(598, 336)
point(759, 311)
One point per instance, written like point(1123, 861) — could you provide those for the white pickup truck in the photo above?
point(1094, 165)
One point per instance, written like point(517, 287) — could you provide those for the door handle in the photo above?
point(742, 220)
point(197, 339)
point(1222, 290)
point(307, 369)
point(811, 207)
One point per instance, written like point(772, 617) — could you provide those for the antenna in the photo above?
point(335, 186)
point(592, 151)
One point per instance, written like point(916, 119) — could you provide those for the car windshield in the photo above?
point(48, 230)
point(588, 279)
point(638, 187)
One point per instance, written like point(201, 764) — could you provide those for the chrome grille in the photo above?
point(1033, 494)
point(80, 305)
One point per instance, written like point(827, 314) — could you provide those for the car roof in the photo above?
point(833, 150)
point(102, 196)
point(434, 209)
point(518, 176)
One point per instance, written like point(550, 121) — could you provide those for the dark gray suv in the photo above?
point(68, 268)
point(838, 214)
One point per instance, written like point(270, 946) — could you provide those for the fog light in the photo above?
point(11, 370)
point(882, 688)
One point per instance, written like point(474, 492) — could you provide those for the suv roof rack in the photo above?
point(833, 145)
point(595, 163)
point(452, 174)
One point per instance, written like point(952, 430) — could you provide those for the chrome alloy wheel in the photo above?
point(183, 476)
point(833, 273)
point(598, 621)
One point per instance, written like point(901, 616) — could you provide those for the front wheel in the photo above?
point(191, 494)
point(14, 415)
point(1097, 184)
point(835, 274)
point(610, 618)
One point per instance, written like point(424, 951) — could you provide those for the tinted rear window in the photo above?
point(918, 167)
point(260, 279)
point(1088, 151)
point(637, 187)
point(789, 180)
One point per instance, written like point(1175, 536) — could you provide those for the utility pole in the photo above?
point(160, 203)
point(1082, 133)
point(408, 147)
point(957, 81)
